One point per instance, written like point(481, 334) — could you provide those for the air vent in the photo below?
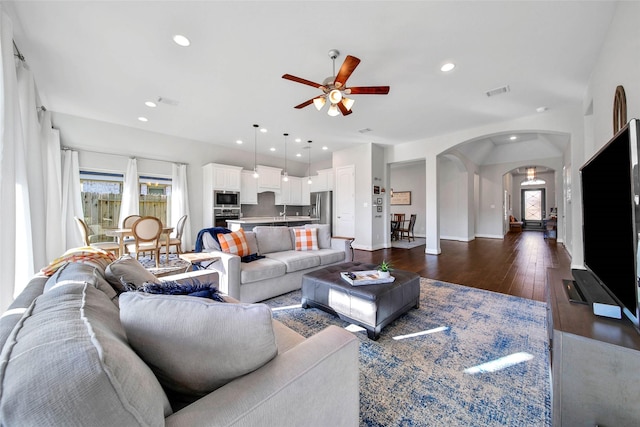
point(365, 130)
point(498, 91)
point(167, 101)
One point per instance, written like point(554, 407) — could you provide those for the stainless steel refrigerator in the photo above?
point(322, 206)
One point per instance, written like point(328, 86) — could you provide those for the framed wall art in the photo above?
point(401, 198)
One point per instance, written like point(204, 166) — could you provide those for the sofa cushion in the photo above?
point(273, 239)
point(324, 234)
point(74, 272)
point(252, 242)
point(234, 243)
point(196, 354)
point(14, 313)
point(67, 362)
point(127, 269)
point(330, 256)
point(306, 239)
point(296, 260)
point(262, 269)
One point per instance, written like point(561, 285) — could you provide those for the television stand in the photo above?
point(595, 295)
point(594, 362)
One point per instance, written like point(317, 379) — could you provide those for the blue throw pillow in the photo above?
point(194, 289)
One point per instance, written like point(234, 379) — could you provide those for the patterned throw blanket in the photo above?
point(84, 255)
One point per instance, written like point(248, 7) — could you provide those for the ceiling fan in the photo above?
point(334, 87)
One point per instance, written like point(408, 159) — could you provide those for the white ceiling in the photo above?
point(103, 60)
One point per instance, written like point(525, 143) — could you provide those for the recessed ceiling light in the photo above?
point(263, 130)
point(325, 148)
point(181, 40)
point(513, 137)
point(272, 149)
point(298, 140)
point(448, 67)
point(298, 155)
point(143, 119)
point(541, 109)
point(150, 104)
point(238, 141)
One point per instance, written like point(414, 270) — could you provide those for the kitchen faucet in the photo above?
point(284, 211)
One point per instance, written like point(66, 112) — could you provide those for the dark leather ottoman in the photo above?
point(370, 306)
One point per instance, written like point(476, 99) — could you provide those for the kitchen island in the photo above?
point(247, 223)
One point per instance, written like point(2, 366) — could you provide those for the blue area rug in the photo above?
point(480, 359)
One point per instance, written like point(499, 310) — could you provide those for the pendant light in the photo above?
point(309, 165)
point(285, 175)
point(255, 151)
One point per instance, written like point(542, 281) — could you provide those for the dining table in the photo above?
point(122, 233)
point(394, 229)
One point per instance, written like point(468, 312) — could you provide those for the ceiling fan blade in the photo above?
point(350, 63)
point(343, 109)
point(301, 80)
point(305, 103)
point(368, 90)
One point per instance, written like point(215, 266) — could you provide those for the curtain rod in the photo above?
point(17, 53)
point(122, 155)
point(20, 56)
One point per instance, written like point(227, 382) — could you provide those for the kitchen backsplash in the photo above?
point(267, 207)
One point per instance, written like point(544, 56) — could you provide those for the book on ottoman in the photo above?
point(369, 277)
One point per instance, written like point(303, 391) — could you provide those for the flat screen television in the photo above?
point(610, 200)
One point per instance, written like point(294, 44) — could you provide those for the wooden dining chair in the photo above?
point(177, 239)
point(146, 233)
point(398, 217)
point(85, 233)
point(397, 222)
point(408, 230)
point(128, 223)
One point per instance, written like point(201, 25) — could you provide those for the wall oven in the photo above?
point(226, 199)
point(221, 215)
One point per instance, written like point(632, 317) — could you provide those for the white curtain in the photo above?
point(16, 261)
point(180, 203)
point(54, 225)
point(130, 192)
point(71, 199)
point(34, 150)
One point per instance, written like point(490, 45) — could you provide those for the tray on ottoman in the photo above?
point(371, 306)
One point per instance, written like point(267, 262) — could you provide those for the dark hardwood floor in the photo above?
point(516, 265)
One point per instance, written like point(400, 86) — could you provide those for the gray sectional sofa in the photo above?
point(75, 352)
point(281, 269)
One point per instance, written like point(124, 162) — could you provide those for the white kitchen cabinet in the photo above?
point(306, 197)
point(248, 188)
point(269, 179)
point(289, 193)
point(222, 177)
point(217, 177)
point(323, 181)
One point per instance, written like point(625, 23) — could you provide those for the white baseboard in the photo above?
point(490, 236)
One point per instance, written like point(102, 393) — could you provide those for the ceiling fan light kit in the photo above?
point(334, 88)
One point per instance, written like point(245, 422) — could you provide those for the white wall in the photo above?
point(617, 64)
point(410, 177)
point(488, 218)
point(360, 156)
point(106, 147)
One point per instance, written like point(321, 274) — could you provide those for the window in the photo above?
point(102, 195)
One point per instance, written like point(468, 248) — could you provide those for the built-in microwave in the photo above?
point(226, 199)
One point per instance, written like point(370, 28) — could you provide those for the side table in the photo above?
point(350, 241)
point(197, 258)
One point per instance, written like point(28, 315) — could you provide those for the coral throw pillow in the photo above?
point(306, 239)
point(234, 243)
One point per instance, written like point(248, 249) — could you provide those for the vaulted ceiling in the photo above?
point(103, 60)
